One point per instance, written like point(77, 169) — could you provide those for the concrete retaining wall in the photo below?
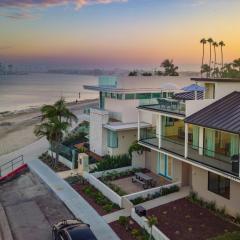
point(105, 190)
point(143, 222)
point(151, 191)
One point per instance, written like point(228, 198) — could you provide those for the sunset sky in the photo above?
point(115, 33)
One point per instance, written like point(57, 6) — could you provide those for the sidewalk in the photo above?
point(79, 207)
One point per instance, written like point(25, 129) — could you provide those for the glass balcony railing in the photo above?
point(172, 144)
point(220, 161)
point(167, 105)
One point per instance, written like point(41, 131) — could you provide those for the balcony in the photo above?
point(172, 144)
point(167, 105)
point(214, 159)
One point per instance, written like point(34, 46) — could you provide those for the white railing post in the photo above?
point(159, 131)
point(138, 134)
point(186, 141)
point(201, 138)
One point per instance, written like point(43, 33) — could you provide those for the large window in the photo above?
point(219, 185)
point(112, 139)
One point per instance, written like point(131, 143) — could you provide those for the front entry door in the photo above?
point(164, 167)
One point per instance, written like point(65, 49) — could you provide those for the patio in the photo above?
point(129, 187)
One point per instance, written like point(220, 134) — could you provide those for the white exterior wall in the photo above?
point(126, 108)
point(97, 134)
point(224, 88)
point(200, 185)
point(193, 106)
point(152, 81)
point(125, 139)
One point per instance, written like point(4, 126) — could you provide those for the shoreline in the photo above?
point(16, 127)
point(34, 109)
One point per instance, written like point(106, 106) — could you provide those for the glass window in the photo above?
point(119, 96)
point(219, 185)
point(108, 95)
point(113, 95)
point(129, 96)
point(112, 139)
point(164, 95)
point(143, 95)
point(156, 95)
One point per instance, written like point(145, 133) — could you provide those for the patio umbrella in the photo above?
point(194, 88)
point(169, 86)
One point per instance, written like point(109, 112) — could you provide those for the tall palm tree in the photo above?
point(210, 41)
point(56, 119)
point(215, 45)
point(203, 41)
point(221, 44)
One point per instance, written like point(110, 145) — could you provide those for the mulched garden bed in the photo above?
point(79, 187)
point(124, 234)
point(183, 219)
point(47, 159)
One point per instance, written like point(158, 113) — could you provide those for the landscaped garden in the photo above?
point(94, 197)
point(48, 160)
point(113, 162)
point(186, 219)
point(126, 228)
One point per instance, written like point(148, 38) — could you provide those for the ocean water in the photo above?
point(19, 92)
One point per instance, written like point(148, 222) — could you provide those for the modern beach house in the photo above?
point(194, 138)
point(114, 124)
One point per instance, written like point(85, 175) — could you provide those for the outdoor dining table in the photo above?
point(146, 180)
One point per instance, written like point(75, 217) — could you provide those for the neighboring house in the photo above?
point(113, 126)
point(197, 141)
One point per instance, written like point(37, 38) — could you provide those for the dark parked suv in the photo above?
point(72, 230)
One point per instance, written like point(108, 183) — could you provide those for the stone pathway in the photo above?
point(78, 206)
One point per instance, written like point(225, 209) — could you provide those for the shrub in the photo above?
point(237, 219)
point(88, 190)
point(135, 232)
point(161, 192)
point(123, 220)
point(108, 207)
point(138, 200)
point(193, 196)
point(113, 162)
point(228, 236)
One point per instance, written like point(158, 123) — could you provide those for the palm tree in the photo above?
point(169, 67)
point(236, 63)
point(210, 41)
point(152, 220)
point(221, 44)
point(56, 119)
point(215, 44)
point(203, 42)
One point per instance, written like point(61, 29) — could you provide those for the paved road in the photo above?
point(31, 208)
point(78, 206)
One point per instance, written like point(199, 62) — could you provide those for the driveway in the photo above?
point(31, 207)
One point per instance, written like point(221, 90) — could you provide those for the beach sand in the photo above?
point(16, 128)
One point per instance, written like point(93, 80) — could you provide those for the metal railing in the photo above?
point(216, 159)
point(9, 166)
point(173, 144)
point(168, 105)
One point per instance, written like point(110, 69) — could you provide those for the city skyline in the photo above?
point(120, 33)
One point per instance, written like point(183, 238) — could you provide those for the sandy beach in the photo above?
point(16, 128)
